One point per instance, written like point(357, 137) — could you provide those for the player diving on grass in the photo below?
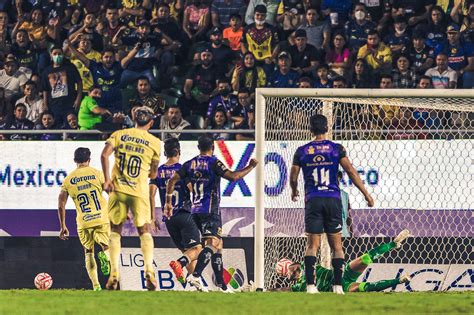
point(181, 227)
point(352, 271)
point(137, 155)
point(204, 172)
point(84, 185)
point(319, 160)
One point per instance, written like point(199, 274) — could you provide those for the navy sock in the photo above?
point(309, 263)
point(203, 259)
point(183, 260)
point(338, 268)
point(218, 268)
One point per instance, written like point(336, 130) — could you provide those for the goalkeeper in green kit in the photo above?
point(352, 271)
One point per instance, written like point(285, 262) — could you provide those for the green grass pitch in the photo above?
point(183, 303)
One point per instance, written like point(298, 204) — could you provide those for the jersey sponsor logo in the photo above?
point(76, 180)
point(128, 138)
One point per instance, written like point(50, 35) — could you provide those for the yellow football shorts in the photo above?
point(119, 203)
point(98, 234)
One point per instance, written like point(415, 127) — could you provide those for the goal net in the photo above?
point(413, 150)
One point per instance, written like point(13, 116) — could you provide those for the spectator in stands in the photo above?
point(420, 55)
point(403, 76)
point(233, 33)
point(5, 33)
point(172, 122)
point(305, 83)
point(442, 76)
point(145, 96)
point(61, 86)
point(358, 27)
point(318, 31)
point(6, 108)
point(112, 25)
point(48, 123)
point(323, 80)
point(223, 99)
point(72, 122)
point(201, 81)
point(361, 77)
point(18, 122)
point(377, 55)
point(221, 11)
point(196, 21)
point(222, 55)
point(290, 14)
point(339, 83)
point(220, 120)
point(386, 81)
point(25, 52)
point(340, 7)
point(261, 39)
point(149, 47)
point(33, 102)
point(107, 73)
point(284, 76)
point(424, 82)
point(305, 57)
point(272, 8)
point(35, 26)
point(88, 32)
point(414, 11)
point(245, 110)
point(338, 57)
point(131, 12)
point(85, 49)
point(90, 112)
point(399, 38)
point(463, 15)
point(11, 79)
point(435, 30)
point(460, 56)
point(248, 75)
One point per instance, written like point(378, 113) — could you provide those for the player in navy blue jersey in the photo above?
point(180, 225)
point(204, 172)
point(320, 160)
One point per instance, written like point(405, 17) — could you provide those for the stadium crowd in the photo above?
point(85, 64)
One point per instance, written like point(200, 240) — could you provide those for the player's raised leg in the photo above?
point(188, 260)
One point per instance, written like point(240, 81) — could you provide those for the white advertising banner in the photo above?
point(132, 271)
point(404, 174)
point(424, 277)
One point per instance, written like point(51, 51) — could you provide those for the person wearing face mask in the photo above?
point(358, 27)
point(61, 85)
point(261, 39)
point(90, 112)
point(223, 100)
point(399, 38)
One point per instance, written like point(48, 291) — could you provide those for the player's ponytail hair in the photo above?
point(318, 124)
point(172, 147)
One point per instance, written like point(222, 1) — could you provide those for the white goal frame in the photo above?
point(261, 93)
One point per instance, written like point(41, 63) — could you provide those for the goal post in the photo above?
point(409, 137)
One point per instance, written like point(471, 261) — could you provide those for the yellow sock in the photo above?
point(91, 268)
point(114, 252)
point(146, 243)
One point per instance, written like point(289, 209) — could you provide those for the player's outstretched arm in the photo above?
point(104, 160)
point(168, 210)
point(236, 175)
point(354, 176)
point(62, 199)
point(294, 173)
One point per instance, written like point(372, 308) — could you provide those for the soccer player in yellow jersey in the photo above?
point(137, 155)
point(84, 185)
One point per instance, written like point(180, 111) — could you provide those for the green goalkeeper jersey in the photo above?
point(324, 280)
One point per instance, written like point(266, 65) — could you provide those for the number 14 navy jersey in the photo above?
point(319, 161)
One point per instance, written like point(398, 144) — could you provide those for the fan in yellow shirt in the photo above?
point(84, 185)
point(137, 155)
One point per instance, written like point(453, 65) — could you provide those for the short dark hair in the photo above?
point(20, 105)
point(386, 76)
point(56, 46)
point(373, 32)
point(244, 90)
point(31, 82)
point(172, 147)
point(82, 155)
point(340, 78)
point(205, 143)
point(143, 78)
point(318, 124)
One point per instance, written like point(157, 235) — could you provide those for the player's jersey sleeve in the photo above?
point(297, 157)
point(64, 185)
point(219, 168)
point(342, 151)
point(113, 139)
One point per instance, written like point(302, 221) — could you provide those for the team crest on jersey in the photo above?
point(197, 174)
point(311, 150)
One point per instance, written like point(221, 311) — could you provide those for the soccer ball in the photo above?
point(43, 281)
point(281, 267)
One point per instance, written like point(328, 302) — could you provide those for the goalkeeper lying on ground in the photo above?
point(352, 271)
